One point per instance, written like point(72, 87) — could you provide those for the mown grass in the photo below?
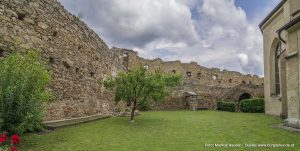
point(167, 131)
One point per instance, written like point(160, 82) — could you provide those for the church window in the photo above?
point(277, 80)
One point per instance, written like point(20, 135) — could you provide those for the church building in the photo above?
point(281, 38)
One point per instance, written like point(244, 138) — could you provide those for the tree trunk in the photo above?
point(132, 111)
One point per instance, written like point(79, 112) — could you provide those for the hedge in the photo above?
point(226, 106)
point(253, 105)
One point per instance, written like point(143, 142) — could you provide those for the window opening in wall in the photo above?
point(92, 74)
point(66, 65)
point(146, 67)
point(51, 60)
point(54, 33)
point(174, 71)
point(230, 80)
point(277, 80)
point(199, 75)
point(21, 16)
point(215, 77)
point(243, 82)
point(1, 52)
point(125, 60)
point(77, 70)
point(189, 74)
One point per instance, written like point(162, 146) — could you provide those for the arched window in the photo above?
point(277, 72)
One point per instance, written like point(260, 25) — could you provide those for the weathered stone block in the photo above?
point(42, 25)
point(11, 13)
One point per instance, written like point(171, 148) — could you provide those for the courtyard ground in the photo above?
point(167, 130)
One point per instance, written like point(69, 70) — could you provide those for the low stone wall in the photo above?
point(170, 104)
point(72, 121)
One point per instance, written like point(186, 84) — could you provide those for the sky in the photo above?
point(215, 33)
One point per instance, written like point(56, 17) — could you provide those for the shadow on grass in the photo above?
point(138, 121)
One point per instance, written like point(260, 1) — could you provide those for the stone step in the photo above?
point(73, 121)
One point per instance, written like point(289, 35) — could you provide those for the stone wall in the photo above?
point(191, 72)
point(78, 59)
point(210, 84)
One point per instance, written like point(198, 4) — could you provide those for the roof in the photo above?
point(271, 13)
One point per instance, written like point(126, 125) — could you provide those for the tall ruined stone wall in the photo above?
point(191, 72)
point(210, 84)
point(79, 61)
point(78, 58)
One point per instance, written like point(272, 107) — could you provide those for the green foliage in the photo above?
point(253, 105)
point(140, 86)
point(143, 106)
point(226, 106)
point(22, 92)
point(168, 131)
point(4, 148)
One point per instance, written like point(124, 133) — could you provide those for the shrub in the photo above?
point(226, 106)
point(143, 106)
point(253, 105)
point(22, 92)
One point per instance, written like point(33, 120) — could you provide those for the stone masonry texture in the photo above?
point(210, 84)
point(79, 61)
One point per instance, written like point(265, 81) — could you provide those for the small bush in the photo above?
point(226, 106)
point(253, 105)
point(22, 92)
point(144, 106)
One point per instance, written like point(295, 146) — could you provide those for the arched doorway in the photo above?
point(243, 97)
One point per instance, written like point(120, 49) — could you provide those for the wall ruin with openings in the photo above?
point(210, 84)
point(79, 60)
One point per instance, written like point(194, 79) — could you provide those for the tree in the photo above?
point(22, 92)
point(140, 85)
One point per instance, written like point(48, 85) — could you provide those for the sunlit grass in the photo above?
point(167, 130)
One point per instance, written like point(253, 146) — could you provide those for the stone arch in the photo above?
point(280, 77)
point(271, 57)
point(244, 96)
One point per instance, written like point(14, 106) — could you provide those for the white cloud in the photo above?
point(243, 59)
point(220, 35)
point(137, 23)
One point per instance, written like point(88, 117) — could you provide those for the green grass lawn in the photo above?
point(167, 130)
